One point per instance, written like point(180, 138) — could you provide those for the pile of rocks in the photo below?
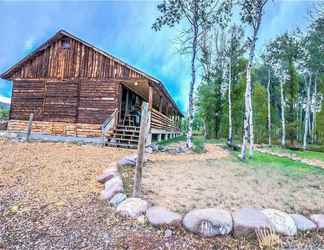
point(205, 222)
point(178, 149)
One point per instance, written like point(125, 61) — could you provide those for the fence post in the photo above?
point(140, 151)
point(29, 128)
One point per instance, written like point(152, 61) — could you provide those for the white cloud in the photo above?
point(5, 99)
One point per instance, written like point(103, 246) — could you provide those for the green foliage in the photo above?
point(292, 91)
point(4, 114)
point(198, 144)
point(287, 58)
point(209, 103)
point(202, 12)
point(260, 113)
point(180, 138)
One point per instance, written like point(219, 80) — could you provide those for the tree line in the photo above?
point(275, 97)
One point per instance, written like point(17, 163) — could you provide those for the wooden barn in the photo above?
point(75, 89)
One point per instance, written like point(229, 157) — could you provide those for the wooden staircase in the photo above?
point(123, 136)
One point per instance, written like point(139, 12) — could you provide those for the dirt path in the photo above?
point(215, 179)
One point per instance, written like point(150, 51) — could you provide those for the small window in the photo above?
point(66, 44)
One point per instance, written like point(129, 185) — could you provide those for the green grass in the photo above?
point(304, 154)
point(173, 140)
point(284, 164)
point(198, 142)
point(311, 155)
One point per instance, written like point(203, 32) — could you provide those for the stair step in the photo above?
point(118, 135)
point(121, 145)
point(129, 141)
point(123, 131)
point(128, 127)
point(123, 140)
point(124, 136)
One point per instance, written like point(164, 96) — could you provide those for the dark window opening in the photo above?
point(66, 44)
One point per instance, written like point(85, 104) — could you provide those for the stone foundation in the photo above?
point(56, 128)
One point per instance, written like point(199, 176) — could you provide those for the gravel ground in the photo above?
point(49, 200)
point(215, 179)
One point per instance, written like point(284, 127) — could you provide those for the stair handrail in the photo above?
point(110, 122)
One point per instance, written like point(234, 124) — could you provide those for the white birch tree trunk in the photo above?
point(230, 136)
point(269, 108)
point(251, 152)
point(283, 119)
point(298, 118)
point(314, 111)
point(247, 112)
point(307, 111)
point(193, 75)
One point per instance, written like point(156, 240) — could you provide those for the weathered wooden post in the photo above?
point(150, 107)
point(140, 151)
point(29, 127)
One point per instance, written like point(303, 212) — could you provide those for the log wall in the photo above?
point(76, 101)
point(56, 128)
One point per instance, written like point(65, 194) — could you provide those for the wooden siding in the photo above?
point(27, 97)
point(77, 61)
point(97, 101)
point(163, 122)
point(78, 101)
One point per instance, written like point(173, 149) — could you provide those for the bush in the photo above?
point(198, 145)
point(173, 140)
point(4, 114)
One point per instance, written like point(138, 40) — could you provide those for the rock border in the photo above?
point(206, 222)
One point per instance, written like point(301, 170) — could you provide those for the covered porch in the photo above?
point(165, 118)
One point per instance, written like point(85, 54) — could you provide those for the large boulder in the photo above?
point(117, 199)
point(248, 220)
point(112, 187)
point(208, 222)
point(129, 160)
point(108, 174)
point(132, 207)
point(319, 220)
point(281, 222)
point(302, 223)
point(159, 216)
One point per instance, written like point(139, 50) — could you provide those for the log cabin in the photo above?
point(73, 88)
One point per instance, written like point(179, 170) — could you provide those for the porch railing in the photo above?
point(161, 121)
point(110, 123)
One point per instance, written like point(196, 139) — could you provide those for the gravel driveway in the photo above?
point(49, 200)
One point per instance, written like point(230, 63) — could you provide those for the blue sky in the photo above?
point(122, 28)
